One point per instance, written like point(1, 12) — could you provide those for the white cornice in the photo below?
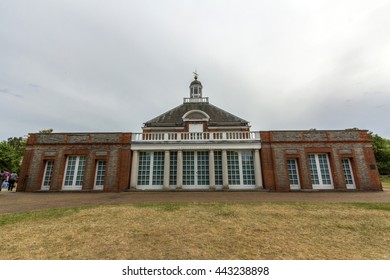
point(195, 146)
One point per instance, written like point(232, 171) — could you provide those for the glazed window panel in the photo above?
point(80, 171)
point(218, 167)
point(173, 168)
point(292, 169)
point(324, 167)
point(313, 170)
point(144, 168)
point(74, 173)
point(203, 168)
point(346, 163)
point(248, 169)
point(233, 168)
point(320, 171)
point(48, 173)
point(188, 168)
point(70, 170)
point(100, 172)
point(158, 168)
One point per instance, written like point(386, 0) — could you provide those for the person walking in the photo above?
point(11, 181)
point(4, 175)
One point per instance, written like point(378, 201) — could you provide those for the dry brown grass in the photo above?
point(201, 231)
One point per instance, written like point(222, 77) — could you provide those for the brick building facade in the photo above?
point(198, 146)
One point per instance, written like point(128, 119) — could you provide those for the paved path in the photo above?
point(12, 202)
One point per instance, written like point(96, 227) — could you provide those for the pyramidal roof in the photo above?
point(217, 116)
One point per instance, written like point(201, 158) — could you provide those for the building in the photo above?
point(198, 146)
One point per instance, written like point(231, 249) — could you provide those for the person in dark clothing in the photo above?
point(11, 181)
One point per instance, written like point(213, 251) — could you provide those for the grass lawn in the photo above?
point(200, 231)
point(385, 182)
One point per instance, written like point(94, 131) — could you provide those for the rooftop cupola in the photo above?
point(196, 87)
point(196, 95)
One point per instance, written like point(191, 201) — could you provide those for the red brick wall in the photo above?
point(114, 148)
point(278, 146)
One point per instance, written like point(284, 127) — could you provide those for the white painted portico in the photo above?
point(233, 144)
point(196, 146)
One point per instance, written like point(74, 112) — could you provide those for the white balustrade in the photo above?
point(196, 100)
point(196, 136)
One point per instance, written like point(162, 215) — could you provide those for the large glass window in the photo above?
point(320, 171)
point(151, 168)
point(47, 174)
point(144, 168)
point(348, 173)
point(158, 168)
point(292, 168)
point(188, 168)
point(233, 168)
point(196, 168)
point(324, 168)
point(218, 168)
point(248, 170)
point(203, 168)
point(100, 174)
point(313, 170)
point(74, 173)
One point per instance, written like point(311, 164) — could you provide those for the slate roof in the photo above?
point(218, 117)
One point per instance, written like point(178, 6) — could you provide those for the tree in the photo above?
point(381, 148)
point(12, 150)
point(46, 131)
point(11, 153)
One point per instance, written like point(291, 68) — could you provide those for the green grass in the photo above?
point(385, 182)
point(7, 219)
point(374, 206)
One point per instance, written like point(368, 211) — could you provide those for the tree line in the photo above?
point(381, 148)
point(12, 150)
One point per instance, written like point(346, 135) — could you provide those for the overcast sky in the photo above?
point(110, 66)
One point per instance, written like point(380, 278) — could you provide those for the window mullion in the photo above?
point(151, 168)
point(76, 171)
point(240, 168)
point(319, 172)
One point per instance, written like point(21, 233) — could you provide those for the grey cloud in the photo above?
point(113, 66)
point(8, 92)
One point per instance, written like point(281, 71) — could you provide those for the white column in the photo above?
point(258, 178)
point(179, 182)
point(134, 171)
point(225, 176)
point(211, 170)
point(166, 170)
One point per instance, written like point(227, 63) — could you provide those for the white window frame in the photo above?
point(321, 185)
point(173, 168)
point(218, 168)
point(251, 175)
point(100, 187)
point(196, 175)
point(46, 187)
point(241, 173)
point(349, 166)
point(74, 187)
point(152, 172)
point(295, 166)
